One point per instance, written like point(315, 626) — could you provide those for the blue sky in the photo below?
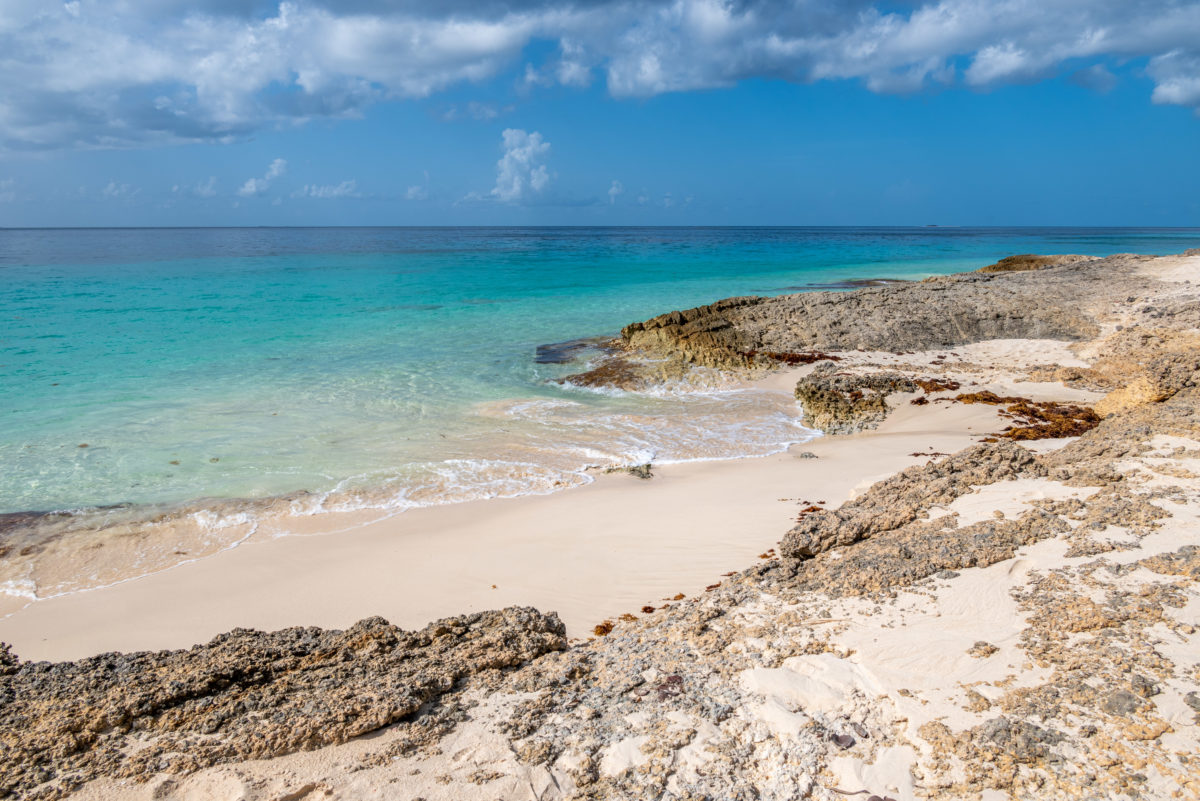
point(811, 112)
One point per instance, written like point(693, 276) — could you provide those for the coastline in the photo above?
point(968, 614)
point(540, 444)
point(588, 553)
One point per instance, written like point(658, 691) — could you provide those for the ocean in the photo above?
point(164, 391)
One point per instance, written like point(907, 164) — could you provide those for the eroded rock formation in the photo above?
point(244, 695)
point(1055, 302)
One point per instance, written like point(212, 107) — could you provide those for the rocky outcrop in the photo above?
point(1165, 363)
point(725, 695)
point(842, 403)
point(1054, 302)
point(244, 695)
point(1031, 261)
point(903, 498)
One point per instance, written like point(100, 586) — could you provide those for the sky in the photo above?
point(599, 112)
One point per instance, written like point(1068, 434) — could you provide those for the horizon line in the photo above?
point(926, 227)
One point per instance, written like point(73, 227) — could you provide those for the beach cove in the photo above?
point(997, 598)
point(172, 394)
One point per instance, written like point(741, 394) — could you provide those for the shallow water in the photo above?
point(181, 374)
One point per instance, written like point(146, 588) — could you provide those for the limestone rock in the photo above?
point(842, 403)
point(244, 695)
point(1031, 261)
point(1051, 303)
point(906, 496)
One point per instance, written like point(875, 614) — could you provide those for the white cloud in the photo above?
point(115, 190)
point(107, 73)
point(333, 192)
point(520, 172)
point(1178, 77)
point(416, 192)
point(8, 190)
point(616, 190)
point(257, 186)
point(252, 187)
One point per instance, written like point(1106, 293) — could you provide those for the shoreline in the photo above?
point(57, 553)
point(556, 552)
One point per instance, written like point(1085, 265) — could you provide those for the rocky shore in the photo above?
point(1018, 619)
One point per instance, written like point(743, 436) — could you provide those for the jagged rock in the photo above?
point(842, 403)
point(1051, 303)
point(244, 695)
point(1031, 261)
point(1017, 739)
point(1159, 377)
point(906, 496)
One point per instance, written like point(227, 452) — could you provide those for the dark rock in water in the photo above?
point(244, 695)
point(612, 373)
point(565, 352)
point(643, 471)
point(842, 403)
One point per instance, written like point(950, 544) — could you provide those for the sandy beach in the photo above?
point(587, 553)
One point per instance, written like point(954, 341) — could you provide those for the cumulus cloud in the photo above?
point(1177, 75)
point(615, 191)
point(521, 173)
point(257, 186)
point(110, 73)
point(333, 192)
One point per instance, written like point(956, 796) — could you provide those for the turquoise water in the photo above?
point(168, 394)
point(245, 363)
